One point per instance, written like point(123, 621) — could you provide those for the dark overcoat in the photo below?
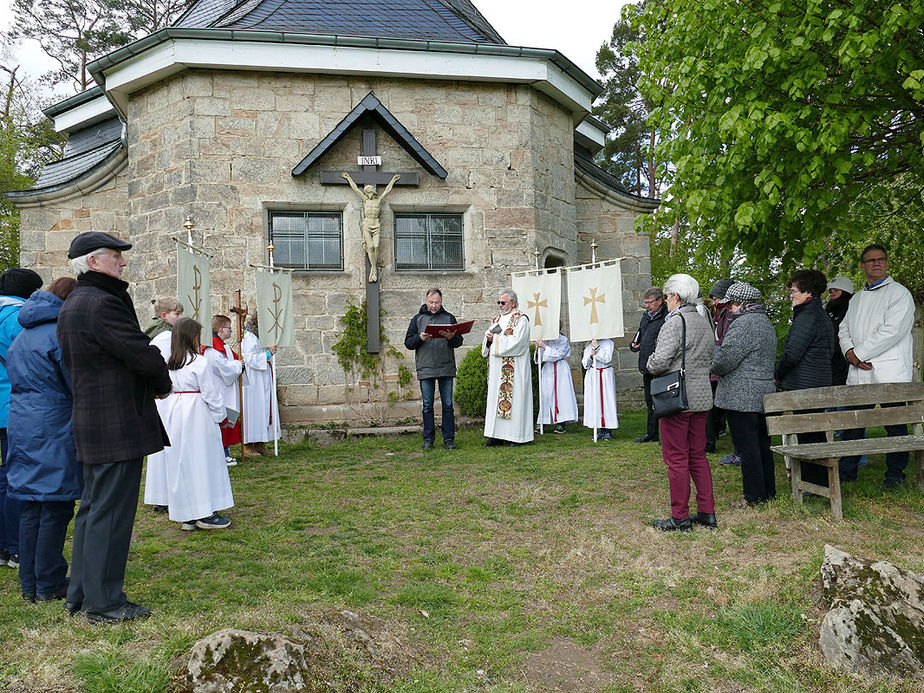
point(114, 370)
point(434, 358)
point(647, 336)
point(810, 344)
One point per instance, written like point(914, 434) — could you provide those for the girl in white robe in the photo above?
point(600, 388)
point(197, 475)
point(168, 310)
point(261, 408)
point(557, 403)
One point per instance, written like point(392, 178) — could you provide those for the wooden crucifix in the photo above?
point(369, 178)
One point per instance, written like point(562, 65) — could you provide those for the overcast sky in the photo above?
point(576, 28)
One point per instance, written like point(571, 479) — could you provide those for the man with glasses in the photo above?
point(509, 413)
point(644, 344)
point(875, 337)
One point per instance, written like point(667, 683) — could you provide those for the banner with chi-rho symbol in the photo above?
point(275, 318)
point(193, 289)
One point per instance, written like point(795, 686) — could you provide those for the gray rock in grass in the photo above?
point(876, 622)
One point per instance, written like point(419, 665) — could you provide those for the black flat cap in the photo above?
point(94, 240)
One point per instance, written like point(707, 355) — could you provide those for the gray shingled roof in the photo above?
point(371, 106)
point(425, 20)
point(583, 163)
point(84, 151)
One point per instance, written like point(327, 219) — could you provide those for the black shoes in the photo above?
point(491, 442)
point(672, 524)
point(645, 439)
point(129, 612)
point(707, 520)
point(891, 484)
point(428, 444)
point(710, 448)
point(449, 445)
point(73, 608)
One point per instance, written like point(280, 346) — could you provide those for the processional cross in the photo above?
point(369, 178)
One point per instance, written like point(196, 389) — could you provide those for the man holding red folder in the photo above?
point(436, 364)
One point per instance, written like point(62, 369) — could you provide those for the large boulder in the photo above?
point(327, 651)
point(876, 622)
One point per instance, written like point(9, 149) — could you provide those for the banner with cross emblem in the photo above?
point(193, 288)
point(595, 301)
point(539, 297)
point(275, 317)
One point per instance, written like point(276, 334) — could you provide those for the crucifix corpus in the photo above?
point(369, 178)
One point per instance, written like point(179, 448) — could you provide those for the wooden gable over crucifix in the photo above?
point(369, 159)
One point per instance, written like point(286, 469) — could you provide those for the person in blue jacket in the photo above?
point(43, 471)
point(16, 285)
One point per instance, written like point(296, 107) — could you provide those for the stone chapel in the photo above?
point(244, 114)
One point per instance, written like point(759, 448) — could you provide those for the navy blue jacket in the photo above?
point(42, 459)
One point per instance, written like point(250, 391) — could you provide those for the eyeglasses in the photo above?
point(875, 260)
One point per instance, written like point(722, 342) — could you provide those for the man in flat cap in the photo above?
point(116, 375)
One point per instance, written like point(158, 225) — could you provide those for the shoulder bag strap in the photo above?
point(683, 346)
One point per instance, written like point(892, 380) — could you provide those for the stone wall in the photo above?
point(220, 146)
point(48, 229)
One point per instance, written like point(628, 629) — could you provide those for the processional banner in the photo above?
point(275, 316)
point(193, 288)
point(539, 296)
point(595, 301)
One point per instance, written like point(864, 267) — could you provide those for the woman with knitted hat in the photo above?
point(744, 363)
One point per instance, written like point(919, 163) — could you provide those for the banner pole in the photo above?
point(273, 397)
point(240, 311)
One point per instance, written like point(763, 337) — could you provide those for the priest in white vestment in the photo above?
point(557, 402)
point(509, 413)
point(600, 388)
point(261, 408)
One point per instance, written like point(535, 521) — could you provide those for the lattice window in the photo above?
point(307, 240)
point(428, 242)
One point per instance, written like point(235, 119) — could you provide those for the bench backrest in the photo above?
point(908, 398)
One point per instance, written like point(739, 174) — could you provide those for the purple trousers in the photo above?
point(683, 446)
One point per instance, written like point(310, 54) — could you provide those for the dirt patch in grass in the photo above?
point(565, 666)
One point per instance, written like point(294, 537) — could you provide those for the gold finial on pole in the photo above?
point(593, 250)
point(271, 248)
point(536, 256)
point(189, 226)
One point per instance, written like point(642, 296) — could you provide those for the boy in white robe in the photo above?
point(600, 388)
point(557, 404)
point(227, 368)
point(509, 414)
point(261, 408)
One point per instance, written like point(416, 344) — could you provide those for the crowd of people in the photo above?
point(85, 396)
point(727, 347)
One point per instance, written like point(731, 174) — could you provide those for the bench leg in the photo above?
point(834, 485)
point(795, 472)
point(919, 465)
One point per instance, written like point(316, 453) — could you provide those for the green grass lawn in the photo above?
point(501, 569)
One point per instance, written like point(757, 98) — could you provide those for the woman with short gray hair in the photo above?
point(683, 435)
point(744, 363)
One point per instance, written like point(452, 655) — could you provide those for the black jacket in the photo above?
point(807, 351)
point(435, 357)
point(836, 310)
point(114, 370)
point(647, 336)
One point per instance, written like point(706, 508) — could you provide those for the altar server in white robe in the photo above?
point(168, 310)
point(228, 368)
point(261, 408)
point(509, 414)
point(600, 388)
point(557, 403)
point(197, 476)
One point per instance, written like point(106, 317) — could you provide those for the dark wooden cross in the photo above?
point(370, 175)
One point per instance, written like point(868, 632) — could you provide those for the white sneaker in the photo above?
point(188, 526)
point(231, 461)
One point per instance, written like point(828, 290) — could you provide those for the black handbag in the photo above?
point(669, 391)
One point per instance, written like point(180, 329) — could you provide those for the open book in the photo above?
point(458, 328)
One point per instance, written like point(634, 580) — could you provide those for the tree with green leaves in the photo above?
point(629, 151)
point(76, 32)
point(795, 125)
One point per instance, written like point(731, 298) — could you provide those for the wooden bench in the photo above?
point(782, 419)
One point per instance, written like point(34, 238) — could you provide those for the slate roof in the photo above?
point(371, 106)
point(584, 163)
point(84, 152)
point(426, 20)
